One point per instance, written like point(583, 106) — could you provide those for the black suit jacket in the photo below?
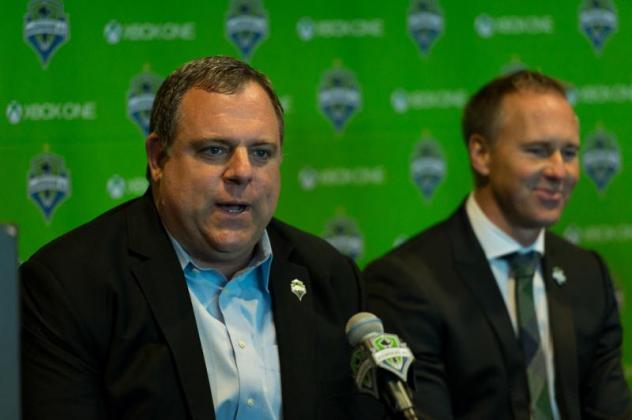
point(438, 291)
point(108, 329)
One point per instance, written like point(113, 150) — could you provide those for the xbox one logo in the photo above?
point(399, 101)
point(305, 29)
point(113, 32)
point(14, 112)
point(484, 25)
point(308, 178)
point(116, 186)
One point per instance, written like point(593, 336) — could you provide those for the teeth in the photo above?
point(233, 209)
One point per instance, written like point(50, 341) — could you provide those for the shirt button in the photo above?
point(242, 344)
point(250, 402)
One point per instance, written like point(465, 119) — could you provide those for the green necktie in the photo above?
point(523, 267)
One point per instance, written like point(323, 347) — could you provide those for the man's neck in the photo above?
point(525, 236)
point(227, 265)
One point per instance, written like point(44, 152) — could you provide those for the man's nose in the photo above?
point(555, 166)
point(239, 168)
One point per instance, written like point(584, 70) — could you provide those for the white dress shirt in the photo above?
point(496, 244)
point(238, 336)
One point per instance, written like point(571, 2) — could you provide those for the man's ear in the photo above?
point(155, 156)
point(479, 151)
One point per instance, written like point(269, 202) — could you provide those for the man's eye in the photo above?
point(215, 150)
point(569, 153)
point(539, 151)
point(262, 154)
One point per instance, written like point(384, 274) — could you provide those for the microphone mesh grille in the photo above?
point(361, 325)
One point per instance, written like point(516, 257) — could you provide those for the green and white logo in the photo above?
point(14, 112)
point(343, 233)
point(427, 166)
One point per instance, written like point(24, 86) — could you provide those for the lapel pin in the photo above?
point(298, 288)
point(559, 276)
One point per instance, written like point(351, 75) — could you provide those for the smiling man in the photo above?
point(192, 302)
point(507, 320)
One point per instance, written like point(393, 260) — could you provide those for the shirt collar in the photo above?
point(493, 240)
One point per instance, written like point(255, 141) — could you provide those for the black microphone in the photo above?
point(380, 364)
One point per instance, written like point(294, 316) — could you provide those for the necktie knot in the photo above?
point(523, 266)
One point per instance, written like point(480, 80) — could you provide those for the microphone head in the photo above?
point(362, 325)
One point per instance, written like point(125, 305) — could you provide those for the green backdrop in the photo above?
point(373, 93)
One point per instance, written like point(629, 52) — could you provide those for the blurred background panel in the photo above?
point(373, 94)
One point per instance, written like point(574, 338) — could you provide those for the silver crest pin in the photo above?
point(298, 288)
point(559, 276)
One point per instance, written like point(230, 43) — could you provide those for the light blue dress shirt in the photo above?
point(496, 244)
point(234, 320)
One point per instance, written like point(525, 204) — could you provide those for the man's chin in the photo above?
point(545, 219)
point(234, 241)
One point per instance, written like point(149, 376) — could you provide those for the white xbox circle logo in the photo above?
point(484, 25)
point(116, 187)
point(399, 101)
point(305, 29)
point(14, 112)
point(308, 178)
point(113, 32)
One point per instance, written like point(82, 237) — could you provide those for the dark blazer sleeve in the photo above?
point(396, 295)
point(60, 377)
point(604, 391)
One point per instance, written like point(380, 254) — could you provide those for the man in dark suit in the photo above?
point(191, 302)
point(507, 320)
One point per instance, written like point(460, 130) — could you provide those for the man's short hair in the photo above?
point(483, 109)
point(216, 74)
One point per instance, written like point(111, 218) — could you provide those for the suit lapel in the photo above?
point(295, 331)
point(562, 333)
point(160, 277)
point(474, 269)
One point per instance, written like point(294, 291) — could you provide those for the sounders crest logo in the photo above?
point(45, 28)
point(343, 233)
point(339, 96)
point(602, 158)
point(425, 23)
point(140, 98)
point(598, 21)
point(514, 65)
point(48, 183)
point(246, 25)
point(427, 166)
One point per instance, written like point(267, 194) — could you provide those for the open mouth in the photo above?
point(232, 208)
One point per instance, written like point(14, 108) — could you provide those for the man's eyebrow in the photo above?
point(206, 140)
point(550, 140)
point(264, 142)
point(232, 142)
